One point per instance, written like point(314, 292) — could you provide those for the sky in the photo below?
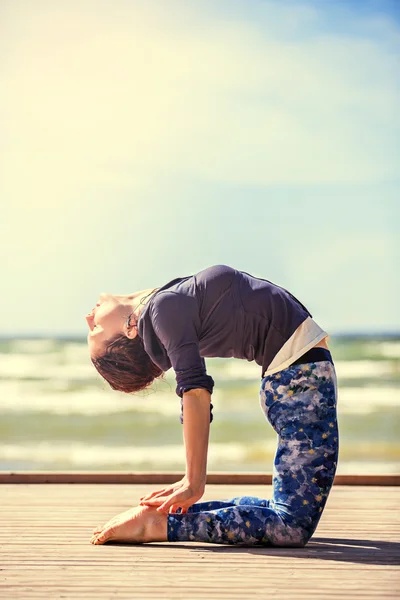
point(143, 141)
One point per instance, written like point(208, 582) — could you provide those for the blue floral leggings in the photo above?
point(300, 404)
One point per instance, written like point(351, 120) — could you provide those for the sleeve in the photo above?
point(176, 322)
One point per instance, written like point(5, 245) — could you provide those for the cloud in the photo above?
point(112, 112)
point(90, 88)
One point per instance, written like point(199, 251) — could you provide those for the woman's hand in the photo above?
point(164, 491)
point(180, 495)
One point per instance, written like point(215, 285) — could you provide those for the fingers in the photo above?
point(164, 508)
point(160, 501)
point(164, 491)
point(156, 493)
point(160, 498)
point(178, 500)
point(153, 496)
point(168, 502)
point(154, 501)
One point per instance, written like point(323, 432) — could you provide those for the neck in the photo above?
point(140, 299)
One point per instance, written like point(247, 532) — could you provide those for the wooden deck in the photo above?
point(45, 551)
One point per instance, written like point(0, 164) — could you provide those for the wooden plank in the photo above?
point(216, 478)
point(45, 550)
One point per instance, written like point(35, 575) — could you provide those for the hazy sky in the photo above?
point(142, 141)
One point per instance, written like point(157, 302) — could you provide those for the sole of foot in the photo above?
point(136, 526)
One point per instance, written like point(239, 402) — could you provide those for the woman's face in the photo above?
point(107, 320)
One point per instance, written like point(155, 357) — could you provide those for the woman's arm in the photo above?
point(176, 322)
point(196, 429)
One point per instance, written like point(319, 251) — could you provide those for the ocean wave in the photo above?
point(20, 397)
point(359, 369)
point(67, 373)
point(222, 457)
point(79, 455)
point(387, 349)
point(40, 346)
point(367, 400)
point(46, 366)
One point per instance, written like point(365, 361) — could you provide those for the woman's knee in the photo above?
point(292, 537)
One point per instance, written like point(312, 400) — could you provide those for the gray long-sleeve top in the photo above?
point(219, 312)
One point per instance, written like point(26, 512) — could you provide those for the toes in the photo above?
point(95, 541)
point(94, 537)
point(98, 535)
point(105, 536)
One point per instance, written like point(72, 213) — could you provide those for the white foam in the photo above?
point(17, 396)
point(33, 346)
point(76, 454)
point(367, 467)
point(389, 349)
point(367, 400)
point(71, 362)
point(358, 369)
point(235, 369)
point(45, 366)
point(221, 457)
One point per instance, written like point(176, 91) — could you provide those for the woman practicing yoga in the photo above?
point(223, 312)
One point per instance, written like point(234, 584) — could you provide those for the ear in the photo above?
point(130, 327)
point(131, 333)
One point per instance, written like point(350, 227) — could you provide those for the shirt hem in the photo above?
point(296, 355)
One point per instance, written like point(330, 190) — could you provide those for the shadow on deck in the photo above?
point(45, 551)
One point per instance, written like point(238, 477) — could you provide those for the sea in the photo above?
point(58, 414)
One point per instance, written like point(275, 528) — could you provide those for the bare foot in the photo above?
point(136, 526)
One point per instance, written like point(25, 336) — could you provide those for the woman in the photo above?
point(222, 312)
